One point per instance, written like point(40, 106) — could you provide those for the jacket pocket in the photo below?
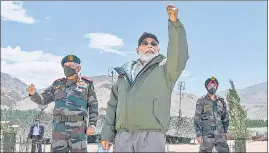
point(161, 112)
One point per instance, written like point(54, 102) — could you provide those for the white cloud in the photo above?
point(48, 39)
point(105, 43)
point(47, 17)
point(35, 67)
point(14, 11)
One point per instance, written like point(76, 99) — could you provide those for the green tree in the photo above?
point(238, 119)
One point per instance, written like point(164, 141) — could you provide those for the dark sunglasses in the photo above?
point(145, 43)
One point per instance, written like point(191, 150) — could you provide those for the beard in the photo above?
point(146, 56)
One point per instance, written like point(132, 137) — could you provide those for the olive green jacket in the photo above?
point(143, 104)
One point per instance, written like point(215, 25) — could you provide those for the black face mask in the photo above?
point(211, 91)
point(68, 71)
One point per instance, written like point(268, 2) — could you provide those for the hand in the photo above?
point(199, 139)
point(105, 144)
point(172, 12)
point(90, 130)
point(31, 89)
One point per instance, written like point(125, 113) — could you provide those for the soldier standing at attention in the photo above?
point(211, 119)
point(76, 107)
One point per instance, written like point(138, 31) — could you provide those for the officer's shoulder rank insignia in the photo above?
point(86, 79)
point(70, 57)
point(201, 98)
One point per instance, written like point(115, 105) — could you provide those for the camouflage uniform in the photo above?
point(76, 107)
point(211, 121)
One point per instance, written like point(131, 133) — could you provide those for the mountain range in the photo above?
point(254, 98)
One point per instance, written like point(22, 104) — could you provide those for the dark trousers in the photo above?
point(36, 143)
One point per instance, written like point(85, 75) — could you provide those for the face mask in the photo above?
point(68, 71)
point(147, 57)
point(212, 91)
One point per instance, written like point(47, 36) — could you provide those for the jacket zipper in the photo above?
point(147, 66)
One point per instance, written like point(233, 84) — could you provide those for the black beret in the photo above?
point(147, 35)
point(70, 58)
point(211, 79)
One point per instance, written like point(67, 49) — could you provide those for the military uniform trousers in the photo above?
point(69, 136)
point(213, 138)
point(139, 142)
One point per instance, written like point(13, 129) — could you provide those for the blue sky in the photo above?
point(226, 39)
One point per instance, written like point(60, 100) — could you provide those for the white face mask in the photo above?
point(146, 57)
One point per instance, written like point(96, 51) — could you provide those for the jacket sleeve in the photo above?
point(108, 130)
point(197, 118)
point(44, 98)
point(177, 52)
point(225, 117)
point(93, 106)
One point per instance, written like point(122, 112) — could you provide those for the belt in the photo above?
point(214, 128)
point(69, 118)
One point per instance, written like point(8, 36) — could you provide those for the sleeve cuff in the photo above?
point(92, 126)
point(35, 94)
point(175, 24)
point(198, 134)
point(107, 135)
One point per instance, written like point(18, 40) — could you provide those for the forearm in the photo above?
point(108, 130)
point(37, 99)
point(225, 119)
point(177, 54)
point(197, 125)
point(93, 113)
point(225, 126)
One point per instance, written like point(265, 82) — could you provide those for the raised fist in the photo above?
point(90, 130)
point(31, 89)
point(172, 12)
point(105, 144)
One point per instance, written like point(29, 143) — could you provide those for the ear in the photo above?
point(137, 51)
point(78, 69)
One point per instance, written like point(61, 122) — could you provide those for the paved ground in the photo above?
point(257, 146)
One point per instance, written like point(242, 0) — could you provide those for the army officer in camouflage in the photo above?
point(211, 119)
point(76, 107)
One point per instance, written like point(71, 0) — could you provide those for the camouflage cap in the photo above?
point(70, 58)
point(211, 80)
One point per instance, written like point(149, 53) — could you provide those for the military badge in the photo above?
point(212, 78)
point(59, 88)
point(207, 107)
point(70, 58)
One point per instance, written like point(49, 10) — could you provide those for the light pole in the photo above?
point(181, 86)
point(112, 72)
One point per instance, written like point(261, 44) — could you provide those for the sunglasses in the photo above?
point(145, 43)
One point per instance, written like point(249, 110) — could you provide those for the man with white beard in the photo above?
point(138, 111)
